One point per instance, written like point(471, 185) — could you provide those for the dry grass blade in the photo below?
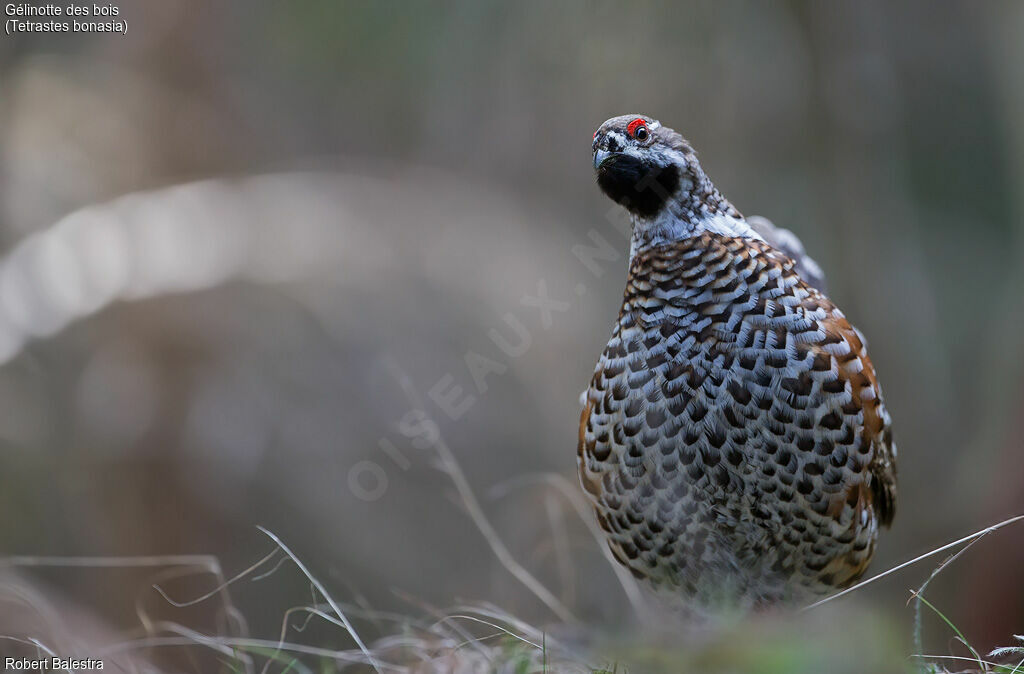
point(920, 600)
point(1011, 650)
point(311, 612)
point(229, 646)
point(40, 646)
point(320, 588)
point(178, 566)
point(958, 658)
point(29, 642)
point(959, 635)
point(450, 466)
point(575, 499)
point(560, 542)
point(462, 616)
point(915, 560)
point(205, 562)
point(442, 619)
point(178, 573)
point(525, 630)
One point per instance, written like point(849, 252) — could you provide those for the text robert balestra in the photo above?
point(51, 664)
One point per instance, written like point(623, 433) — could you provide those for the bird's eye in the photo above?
point(638, 129)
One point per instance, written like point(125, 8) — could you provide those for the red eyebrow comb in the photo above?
point(634, 125)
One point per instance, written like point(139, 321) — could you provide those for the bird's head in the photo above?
point(641, 164)
point(652, 171)
point(654, 174)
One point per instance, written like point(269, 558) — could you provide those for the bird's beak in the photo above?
point(600, 156)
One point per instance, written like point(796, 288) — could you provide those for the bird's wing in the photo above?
point(878, 422)
point(877, 429)
point(790, 244)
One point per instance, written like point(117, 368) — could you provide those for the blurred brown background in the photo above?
point(384, 184)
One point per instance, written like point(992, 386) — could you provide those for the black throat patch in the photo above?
point(640, 187)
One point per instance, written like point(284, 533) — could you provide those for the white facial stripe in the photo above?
point(618, 137)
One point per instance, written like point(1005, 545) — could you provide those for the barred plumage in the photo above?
point(733, 441)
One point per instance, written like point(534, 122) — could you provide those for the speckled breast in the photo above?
point(733, 440)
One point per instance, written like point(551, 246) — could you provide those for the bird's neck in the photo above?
point(696, 208)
